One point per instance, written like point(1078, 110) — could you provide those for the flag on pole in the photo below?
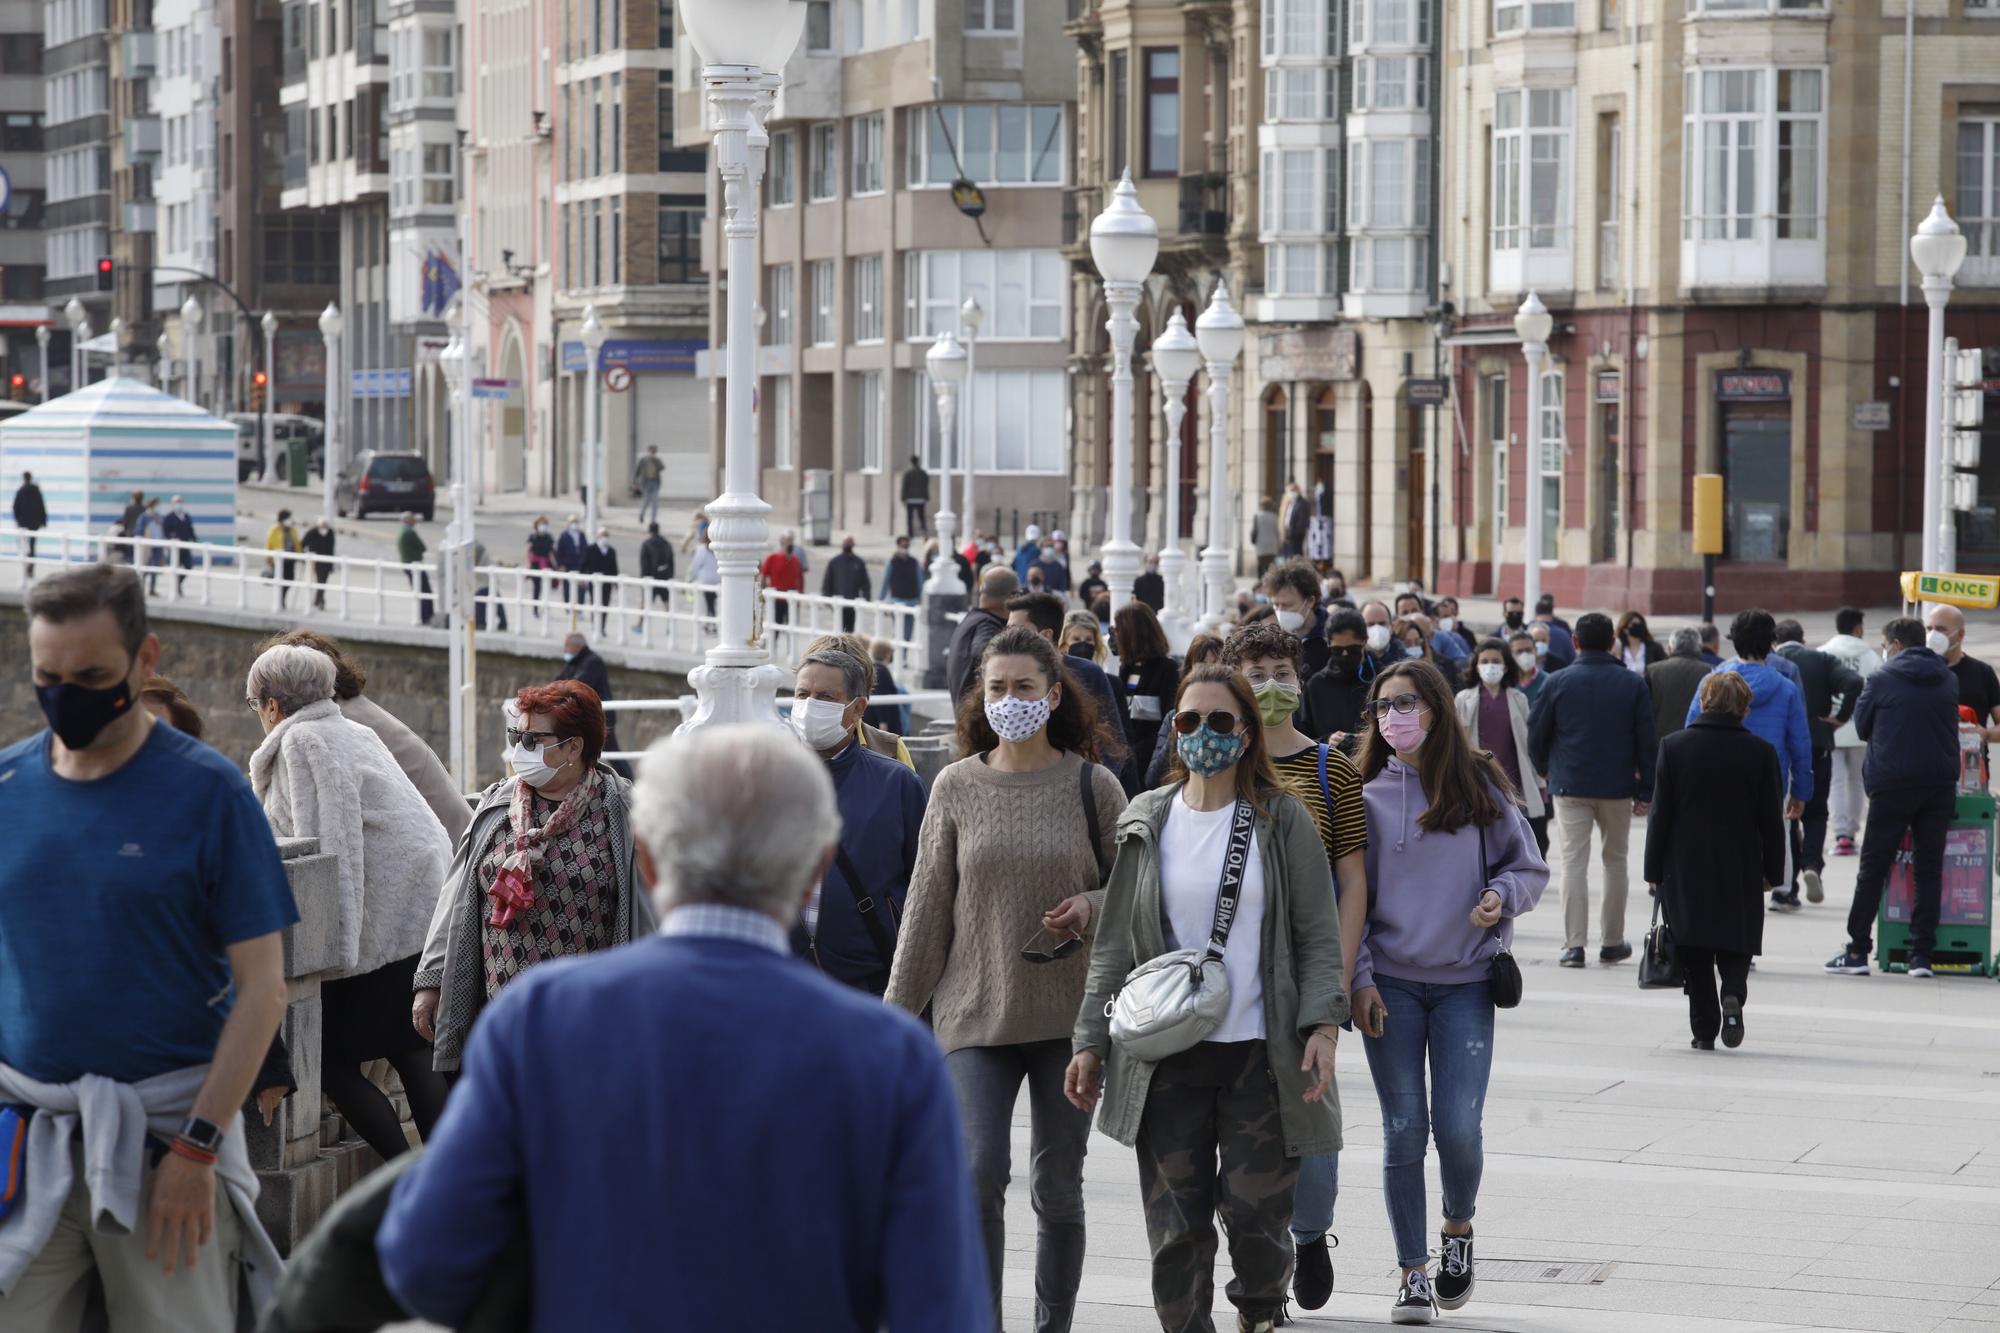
point(447, 282)
point(430, 282)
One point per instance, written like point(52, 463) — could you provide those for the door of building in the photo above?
point(1756, 481)
point(1610, 481)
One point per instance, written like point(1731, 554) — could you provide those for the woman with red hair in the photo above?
point(544, 871)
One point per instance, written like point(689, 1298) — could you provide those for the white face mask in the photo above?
point(1492, 672)
point(1378, 638)
point(1525, 661)
point(1016, 719)
point(532, 765)
point(1447, 624)
point(1291, 621)
point(1938, 642)
point(820, 723)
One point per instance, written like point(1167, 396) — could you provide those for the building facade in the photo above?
point(424, 235)
point(186, 62)
point(23, 242)
point(1716, 205)
point(77, 136)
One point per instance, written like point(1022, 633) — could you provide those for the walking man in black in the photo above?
point(30, 515)
point(916, 494)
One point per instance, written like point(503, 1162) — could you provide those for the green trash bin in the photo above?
point(296, 462)
point(1965, 914)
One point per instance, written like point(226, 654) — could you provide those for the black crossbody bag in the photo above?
point(1505, 974)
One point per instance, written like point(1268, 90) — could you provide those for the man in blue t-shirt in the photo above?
point(141, 900)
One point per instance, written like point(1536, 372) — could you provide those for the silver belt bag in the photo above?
point(1170, 1003)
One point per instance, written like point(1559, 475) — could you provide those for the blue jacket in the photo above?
point(1028, 554)
point(1093, 678)
point(569, 550)
point(881, 811)
point(1908, 714)
point(1562, 648)
point(1778, 714)
point(1591, 730)
point(666, 1122)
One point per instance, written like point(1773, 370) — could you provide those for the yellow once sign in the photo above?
point(1974, 592)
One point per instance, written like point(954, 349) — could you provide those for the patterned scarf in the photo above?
point(522, 850)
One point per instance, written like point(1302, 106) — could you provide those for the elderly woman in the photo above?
point(544, 871)
point(321, 776)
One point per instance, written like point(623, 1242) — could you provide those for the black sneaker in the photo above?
point(1786, 902)
point(1702, 1043)
point(1845, 964)
point(1454, 1278)
point(1614, 953)
point(1732, 1022)
point(1312, 1275)
point(1571, 958)
point(1414, 1302)
point(1920, 965)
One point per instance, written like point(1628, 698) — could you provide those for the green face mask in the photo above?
point(1276, 702)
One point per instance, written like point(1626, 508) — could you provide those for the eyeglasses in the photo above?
point(254, 705)
point(532, 740)
point(1402, 703)
point(1219, 722)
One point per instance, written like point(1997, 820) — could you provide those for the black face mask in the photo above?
point(78, 715)
point(1079, 649)
point(1513, 620)
point(1346, 661)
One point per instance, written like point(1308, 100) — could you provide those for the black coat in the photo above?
point(846, 576)
point(1909, 717)
point(1673, 684)
point(599, 560)
point(1716, 839)
point(968, 644)
point(29, 511)
point(1822, 677)
point(1591, 731)
point(589, 668)
point(1333, 702)
point(656, 558)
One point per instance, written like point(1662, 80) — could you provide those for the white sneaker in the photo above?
point(1815, 891)
point(1415, 1303)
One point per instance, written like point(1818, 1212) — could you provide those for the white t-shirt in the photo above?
point(1191, 850)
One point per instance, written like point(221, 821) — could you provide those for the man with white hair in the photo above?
point(709, 1112)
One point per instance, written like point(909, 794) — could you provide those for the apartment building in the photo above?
point(866, 258)
point(1715, 202)
point(424, 234)
point(134, 143)
point(77, 138)
point(186, 60)
point(23, 242)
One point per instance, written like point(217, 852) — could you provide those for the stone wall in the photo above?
point(209, 659)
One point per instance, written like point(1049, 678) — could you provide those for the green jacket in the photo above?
point(409, 546)
point(1303, 985)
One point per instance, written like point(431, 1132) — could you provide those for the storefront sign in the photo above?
point(1320, 352)
point(1870, 416)
point(379, 383)
point(1608, 384)
point(1429, 392)
point(1969, 591)
point(1753, 386)
point(641, 356)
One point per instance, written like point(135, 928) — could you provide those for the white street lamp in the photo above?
point(269, 324)
point(1533, 323)
point(1124, 241)
point(42, 341)
point(164, 347)
point(1938, 249)
point(738, 41)
point(594, 336)
point(973, 316)
point(330, 326)
point(190, 333)
point(946, 363)
point(1176, 359)
point(79, 334)
point(1219, 332)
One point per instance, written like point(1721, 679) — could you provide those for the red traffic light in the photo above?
point(104, 265)
point(19, 382)
point(260, 379)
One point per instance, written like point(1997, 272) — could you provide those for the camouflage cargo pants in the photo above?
point(1210, 1142)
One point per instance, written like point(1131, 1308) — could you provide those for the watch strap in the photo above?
point(203, 1134)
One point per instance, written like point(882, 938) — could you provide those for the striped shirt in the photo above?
point(718, 921)
point(1343, 823)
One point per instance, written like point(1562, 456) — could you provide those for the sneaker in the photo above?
point(1732, 1022)
point(1571, 958)
point(1843, 846)
point(1614, 953)
point(1815, 891)
point(1845, 964)
point(1786, 902)
point(1312, 1274)
point(1920, 965)
point(1245, 1324)
point(1454, 1278)
point(1702, 1043)
point(1414, 1302)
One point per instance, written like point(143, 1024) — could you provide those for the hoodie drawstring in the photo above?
point(1403, 822)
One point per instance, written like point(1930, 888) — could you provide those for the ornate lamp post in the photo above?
point(42, 341)
point(1938, 249)
point(946, 363)
point(744, 45)
point(1176, 359)
point(594, 335)
point(79, 334)
point(330, 325)
point(191, 313)
point(1533, 323)
point(1219, 333)
point(973, 316)
point(163, 348)
point(1124, 241)
point(268, 463)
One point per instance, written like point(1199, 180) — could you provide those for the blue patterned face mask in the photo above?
point(1206, 753)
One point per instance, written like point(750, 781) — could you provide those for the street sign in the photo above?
point(641, 356)
point(1971, 592)
point(1753, 386)
point(501, 390)
point(1429, 392)
point(618, 379)
point(1869, 416)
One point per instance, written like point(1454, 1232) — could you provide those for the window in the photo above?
point(1163, 111)
point(1295, 27)
point(1024, 292)
point(781, 174)
point(440, 81)
point(868, 418)
point(1765, 6)
point(989, 145)
point(991, 16)
point(666, 25)
point(1388, 189)
point(868, 154)
point(680, 238)
point(1373, 23)
point(1121, 101)
point(1392, 83)
point(1751, 155)
point(778, 313)
point(1610, 165)
point(822, 162)
point(1979, 197)
point(1496, 438)
point(1014, 419)
point(867, 297)
point(440, 176)
point(780, 400)
point(819, 27)
point(1532, 211)
point(1540, 15)
point(1296, 94)
point(822, 302)
point(1549, 457)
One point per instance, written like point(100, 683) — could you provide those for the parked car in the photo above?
point(285, 428)
point(378, 482)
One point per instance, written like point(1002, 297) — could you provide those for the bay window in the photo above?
point(1979, 197)
point(1753, 150)
point(1015, 423)
point(1388, 190)
point(1025, 293)
point(1536, 15)
point(1383, 23)
point(986, 143)
point(1533, 153)
point(1392, 83)
point(1301, 209)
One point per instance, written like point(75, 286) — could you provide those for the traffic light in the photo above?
point(17, 387)
point(258, 383)
point(107, 272)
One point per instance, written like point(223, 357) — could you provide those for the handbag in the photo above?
point(1170, 1003)
point(1504, 976)
point(1660, 966)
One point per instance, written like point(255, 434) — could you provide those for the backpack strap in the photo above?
point(1325, 787)
point(875, 911)
point(1088, 795)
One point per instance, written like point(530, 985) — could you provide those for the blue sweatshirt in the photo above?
point(1778, 714)
point(881, 811)
point(1423, 886)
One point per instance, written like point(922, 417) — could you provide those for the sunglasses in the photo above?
point(1219, 722)
point(532, 740)
point(1402, 703)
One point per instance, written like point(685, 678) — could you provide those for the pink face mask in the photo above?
point(1403, 731)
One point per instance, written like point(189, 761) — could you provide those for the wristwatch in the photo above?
point(203, 1134)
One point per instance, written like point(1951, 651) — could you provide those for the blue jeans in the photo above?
point(909, 622)
point(1312, 1206)
point(1453, 1024)
point(649, 502)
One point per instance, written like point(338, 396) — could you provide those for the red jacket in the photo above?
point(781, 571)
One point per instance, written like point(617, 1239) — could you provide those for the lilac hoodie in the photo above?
point(1423, 886)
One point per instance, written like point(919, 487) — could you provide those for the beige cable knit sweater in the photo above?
point(998, 850)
